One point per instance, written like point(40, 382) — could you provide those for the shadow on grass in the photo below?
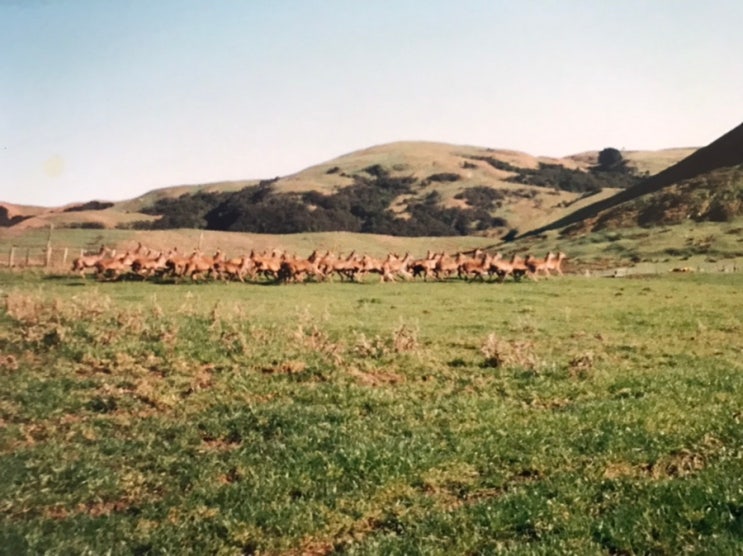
point(74, 281)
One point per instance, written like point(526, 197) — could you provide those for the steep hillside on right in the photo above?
point(715, 196)
point(706, 185)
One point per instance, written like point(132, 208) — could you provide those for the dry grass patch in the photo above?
point(376, 379)
point(403, 339)
point(8, 363)
point(581, 366)
point(502, 353)
point(289, 367)
point(682, 463)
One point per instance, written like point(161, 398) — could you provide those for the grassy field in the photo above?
point(575, 415)
point(702, 246)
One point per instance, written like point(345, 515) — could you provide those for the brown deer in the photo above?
point(536, 266)
point(503, 269)
point(234, 268)
point(83, 262)
point(393, 266)
point(148, 266)
point(555, 263)
point(446, 265)
point(476, 267)
point(113, 268)
point(426, 267)
point(199, 265)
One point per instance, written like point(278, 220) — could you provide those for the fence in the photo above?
point(40, 256)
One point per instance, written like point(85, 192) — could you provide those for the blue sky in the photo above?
point(110, 99)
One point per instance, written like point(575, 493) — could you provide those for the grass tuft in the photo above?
point(501, 353)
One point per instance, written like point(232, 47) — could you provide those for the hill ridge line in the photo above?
point(725, 151)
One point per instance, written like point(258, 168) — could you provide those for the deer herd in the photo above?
point(143, 263)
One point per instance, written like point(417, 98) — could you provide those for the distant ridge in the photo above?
point(444, 176)
point(723, 152)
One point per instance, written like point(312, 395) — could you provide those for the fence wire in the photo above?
point(41, 256)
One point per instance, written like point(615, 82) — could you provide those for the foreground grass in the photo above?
point(564, 416)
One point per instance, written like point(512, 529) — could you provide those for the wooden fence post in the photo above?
point(11, 257)
point(28, 255)
point(64, 257)
point(48, 255)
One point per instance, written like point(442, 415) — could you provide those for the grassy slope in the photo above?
point(419, 159)
point(548, 417)
point(716, 195)
point(123, 212)
point(148, 199)
point(651, 162)
point(109, 218)
point(722, 153)
point(701, 247)
point(24, 210)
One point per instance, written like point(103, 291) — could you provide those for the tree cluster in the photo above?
point(611, 174)
point(361, 207)
point(6, 220)
point(611, 171)
point(90, 205)
point(482, 197)
point(442, 177)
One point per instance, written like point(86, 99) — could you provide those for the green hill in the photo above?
point(695, 187)
point(521, 191)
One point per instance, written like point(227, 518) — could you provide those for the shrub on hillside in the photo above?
point(442, 177)
point(84, 225)
point(495, 163)
point(725, 208)
point(376, 170)
point(91, 205)
point(610, 159)
point(7, 220)
point(558, 177)
point(186, 211)
point(481, 196)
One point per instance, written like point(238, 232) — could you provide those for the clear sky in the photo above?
point(109, 99)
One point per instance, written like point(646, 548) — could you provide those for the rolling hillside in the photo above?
point(706, 185)
point(436, 171)
point(643, 162)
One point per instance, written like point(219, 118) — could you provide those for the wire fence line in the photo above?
point(41, 256)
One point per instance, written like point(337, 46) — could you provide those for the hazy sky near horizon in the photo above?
point(107, 100)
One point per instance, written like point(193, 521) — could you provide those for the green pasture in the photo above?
point(579, 415)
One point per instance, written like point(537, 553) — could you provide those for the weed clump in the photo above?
point(581, 366)
point(500, 353)
point(403, 339)
point(374, 347)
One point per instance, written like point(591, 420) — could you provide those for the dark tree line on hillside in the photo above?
point(90, 205)
point(7, 220)
point(361, 207)
point(611, 171)
point(482, 196)
point(577, 181)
